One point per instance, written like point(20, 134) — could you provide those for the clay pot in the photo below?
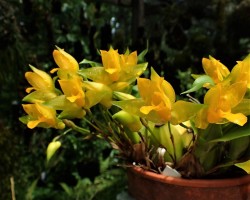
point(146, 185)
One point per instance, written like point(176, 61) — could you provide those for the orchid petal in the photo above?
point(65, 60)
point(215, 69)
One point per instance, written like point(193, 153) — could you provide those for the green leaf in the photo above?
point(199, 83)
point(234, 133)
point(245, 166)
point(142, 54)
point(91, 63)
point(204, 149)
point(67, 189)
point(24, 119)
point(29, 195)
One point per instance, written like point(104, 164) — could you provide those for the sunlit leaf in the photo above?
point(245, 166)
point(200, 82)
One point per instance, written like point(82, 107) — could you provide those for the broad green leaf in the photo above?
point(234, 133)
point(211, 132)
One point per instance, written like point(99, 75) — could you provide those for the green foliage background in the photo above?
point(179, 34)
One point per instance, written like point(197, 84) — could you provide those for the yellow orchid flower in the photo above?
point(118, 71)
point(215, 69)
point(128, 61)
point(111, 63)
point(219, 103)
point(224, 101)
point(121, 67)
point(157, 97)
point(42, 84)
point(216, 73)
point(73, 90)
point(39, 80)
point(40, 115)
point(221, 99)
point(130, 68)
point(65, 61)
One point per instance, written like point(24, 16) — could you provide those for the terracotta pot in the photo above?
point(146, 185)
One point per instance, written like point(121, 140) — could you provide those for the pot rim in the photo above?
point(227, 182)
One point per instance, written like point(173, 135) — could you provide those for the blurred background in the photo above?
point(177, 33)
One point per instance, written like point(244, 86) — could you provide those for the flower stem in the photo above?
point(172, 140)
point(74, 127)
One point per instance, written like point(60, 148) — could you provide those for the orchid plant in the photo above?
point(140, 116)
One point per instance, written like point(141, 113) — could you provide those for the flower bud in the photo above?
point(132, 122)
point(52, 148)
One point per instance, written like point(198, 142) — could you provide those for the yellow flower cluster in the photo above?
point(82, 89)
point(79, 89)
point(224, 98)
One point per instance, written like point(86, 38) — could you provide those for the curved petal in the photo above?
point(163, 85)
point(39, 79)
point(65, 60)
point(237, 118)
